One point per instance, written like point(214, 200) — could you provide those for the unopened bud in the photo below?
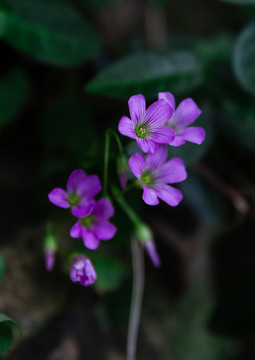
point(82, 271)
point(122, 170)
point(50, 247)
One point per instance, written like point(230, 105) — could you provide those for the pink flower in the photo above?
point(146, 126)
point(79, 195)
point(154, 174)
point(95, 227)
point(185, 114)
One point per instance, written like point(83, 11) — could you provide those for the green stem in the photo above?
point(110, 131)
point(106, 161)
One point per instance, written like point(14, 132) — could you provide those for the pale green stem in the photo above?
point(106, 161)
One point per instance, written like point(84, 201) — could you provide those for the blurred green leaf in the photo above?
point(1, 266)
point(96, 4)
point(13, 93)
point(148, 73)
point(192, 153)
point(234, 314)
point(6, 334)
point(50, 31)
point(240, 2)
point(244, 58)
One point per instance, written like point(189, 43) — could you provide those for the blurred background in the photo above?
point(67, 69)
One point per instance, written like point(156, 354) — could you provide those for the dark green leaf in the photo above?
point(6, 335)
point(235, 313)
point(49, 31)
point(244, 58)
point(1, 266)
point(13, 93)
point(148, 73)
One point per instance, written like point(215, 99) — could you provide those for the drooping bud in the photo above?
point(82, 271)
point(122, 170)
point(145, 237)
point(50, 247)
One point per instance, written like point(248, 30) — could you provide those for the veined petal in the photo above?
point(148, 146)
point(104, 230)
point(186, 113)
point(75, 180)
point(90, 240)
point(137, 108)
point(192, 134)
point(76, 230)
point(177, 141)
point(58, 197)
point(158, 113)
point(90, 187)
point(169, 194)
point(126, 127)
point(136, 163)
point(84, 209)
point(154, 160)
point(162, 135)
point(168, 97)
point(103, 209)
point(149, 196)
point(172, 171)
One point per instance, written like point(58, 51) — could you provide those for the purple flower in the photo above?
point(82, 271)
point(49, 256)
point(79, 195)
point(154, 174)
point(146, 126)
point(96, 226)
point(185, 114)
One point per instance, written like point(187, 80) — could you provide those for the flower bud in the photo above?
point(145, 237)
point(82, 271)
point(50, 246)
point(122, 170)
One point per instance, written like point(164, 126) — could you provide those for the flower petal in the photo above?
point(76, 230)
point(186, 113)
point(104, 230)
point(172, 171)
point(90, 240)
point(158, 113)
point(137, 108)
point(154, 160)
point(90, 187)
point(192, 134)
point(136, 163)
point(162, 134)
point(103, 209)
point(75, 180)
point(126, 127)
point(58, 197)
point(168, 97)
point(84, 209)
point(169, 194)
point(147, 146)
point(149, 196)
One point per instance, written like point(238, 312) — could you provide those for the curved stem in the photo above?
point(125, 206)
point(106, 160)
point(137, 297)
point(111, 131)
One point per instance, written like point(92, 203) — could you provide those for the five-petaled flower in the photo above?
point(154, 174)
point(79, 195)
point(185, 114)
point(96, 226)
point(82, 271)
point(146, 126)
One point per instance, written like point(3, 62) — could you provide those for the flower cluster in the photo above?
point(153, 129)
point(92, 218)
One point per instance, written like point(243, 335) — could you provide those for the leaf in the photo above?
point(240, 2)
point(49, 31)
point(234, 315)
point(1, 266)
point(13, 93)
point(244, 58)
point(148, 73)
point(6, 334)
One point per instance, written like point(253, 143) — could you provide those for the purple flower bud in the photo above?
point(122, 170)
point(82, 271)
point(50, 245)
point(49, 256)
point(152, 252)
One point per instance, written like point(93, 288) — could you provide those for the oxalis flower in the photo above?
point(146, 126)
point(154, 174)
point(96, 226)
point(79, 195)
point(82, 271)
point(185, 114)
